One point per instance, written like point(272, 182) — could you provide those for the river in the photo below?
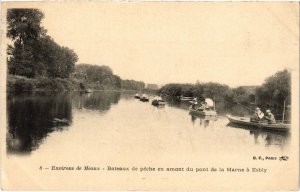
point(114, 120)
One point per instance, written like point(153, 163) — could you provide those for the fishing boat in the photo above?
point(202, 112)
point(144, 98)
point(137, 96)
point(158, 101)
point(207, 108)
point(245, 121)
point(182, 98)
point(88, 91)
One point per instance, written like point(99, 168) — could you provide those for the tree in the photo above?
point(276, 88)
point(24, 25)
point(97, 77)
point(34, 53)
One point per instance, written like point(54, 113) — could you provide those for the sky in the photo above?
point(229, 43)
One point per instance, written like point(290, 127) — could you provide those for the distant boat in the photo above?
point(63, 121)
point(182, 98)
point(244, 121)
point(144, 98)
point(88, 91)
point(137, 96)
point(158, 101)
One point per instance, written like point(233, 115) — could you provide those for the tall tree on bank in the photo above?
point(276, 88)
point(33, 52)
point(24, 29)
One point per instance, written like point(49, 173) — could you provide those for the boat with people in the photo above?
point(137, 96)
point(144, 98)
point(158, 101)
point(203, 112)
point(206, 108)
point(246, 121)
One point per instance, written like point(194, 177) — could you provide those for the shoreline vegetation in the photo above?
point(37, 63)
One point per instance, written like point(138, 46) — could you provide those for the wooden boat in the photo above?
point(186, 98)
point(63, 121)
point(137, 96)
point(158, 101)
point(88, 91)
point(144, 98)
point(203, 112)
point(262, 125)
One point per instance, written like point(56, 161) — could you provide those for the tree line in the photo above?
point(102, 77)
point(275, 90)
point(35, 55)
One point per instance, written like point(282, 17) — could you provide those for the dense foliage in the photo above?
point(200, 90)
point(276, 88)
point(133, 85)
point(97, 77)
point(33, 53)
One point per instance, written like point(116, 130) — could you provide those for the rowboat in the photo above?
point(88, 91)
point(203, 112)
point(137, 96)
point(262, 125)
point(186, 98)
point(144, 98)
point(158, 101)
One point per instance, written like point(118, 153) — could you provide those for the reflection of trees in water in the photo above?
point(268, 137)
point(174, 102)
point(30, 119)
point(204, 120)
point(128, 95)
point(100, 101)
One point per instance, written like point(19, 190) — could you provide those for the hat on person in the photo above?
point(257, 109)
point(268, 111)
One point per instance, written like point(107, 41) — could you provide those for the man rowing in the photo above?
point(270, 117)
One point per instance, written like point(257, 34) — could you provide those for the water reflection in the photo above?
point(205, 121)
point(31, 119)
point(267, 137)
point(100, 101)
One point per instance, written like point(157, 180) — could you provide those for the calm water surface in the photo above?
point(116, 124)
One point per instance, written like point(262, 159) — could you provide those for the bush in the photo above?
point(22, 85)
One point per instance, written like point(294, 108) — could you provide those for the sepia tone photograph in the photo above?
point(185, 96)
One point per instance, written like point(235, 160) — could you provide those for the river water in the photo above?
point(114, 121)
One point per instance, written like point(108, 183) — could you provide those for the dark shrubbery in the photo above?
point(22, 85)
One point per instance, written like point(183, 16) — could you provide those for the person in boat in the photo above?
point(258, 115)
point(203, 106)
point(270, 117)
point(194, 103)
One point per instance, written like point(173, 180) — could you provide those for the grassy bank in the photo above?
point(21, 84)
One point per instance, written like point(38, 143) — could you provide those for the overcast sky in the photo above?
point(231, 43)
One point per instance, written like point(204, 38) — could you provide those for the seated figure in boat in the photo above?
point(194, 103)
point(204, 106)
point(270, 117)
point(258, 115)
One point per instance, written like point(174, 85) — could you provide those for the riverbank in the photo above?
point(20, 84)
